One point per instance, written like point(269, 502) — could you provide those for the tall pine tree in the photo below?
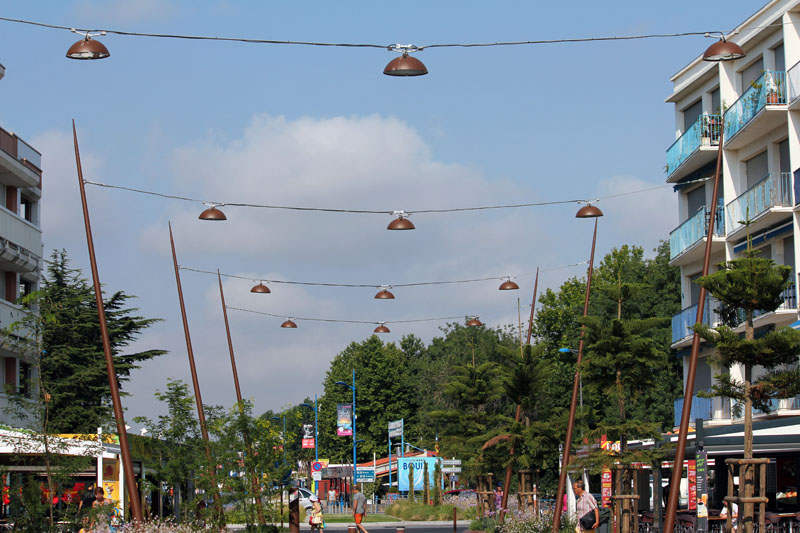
point(73, 367)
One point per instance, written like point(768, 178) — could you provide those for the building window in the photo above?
point(26, 208)
point(10, 375)
point(691, 114)
point(26, 287)
point(25, 379)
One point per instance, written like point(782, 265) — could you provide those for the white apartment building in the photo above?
point(760, 95)
point(20, 254)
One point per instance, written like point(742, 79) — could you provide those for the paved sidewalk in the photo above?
point(438, 525)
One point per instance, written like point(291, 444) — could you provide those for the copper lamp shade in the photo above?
point(212, 213)
point(588, 211)
point(381, 329)
point(400, 223)
point(405, 65)
point(384, 294)
point(88, 49)
point(508, 285)
point(474, 322)
point(723, 50)
point(260, 288)
point(289, 324)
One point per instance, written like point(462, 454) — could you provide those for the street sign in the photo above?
point(316, 466)
point(396, 428)
point(365, 475)
point(451, 469)
point(451, 462)
point(316, 476)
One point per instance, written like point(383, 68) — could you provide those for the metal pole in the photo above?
point(680, 448)
point(201, 416)
point(533, 306)
point(127, 463)
point(562, 480)
point(316, 432)
point(517, 414)
point(390, 462)
point(253, 480)
point(354, 429)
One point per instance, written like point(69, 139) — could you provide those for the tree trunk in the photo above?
point(747, 480)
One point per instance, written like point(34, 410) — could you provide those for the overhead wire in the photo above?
point(369, 211)
point(371, 285)
point(247, 40)
point(346, 321)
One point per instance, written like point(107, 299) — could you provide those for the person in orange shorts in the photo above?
point(359, 508)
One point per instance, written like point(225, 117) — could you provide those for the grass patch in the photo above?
point(419, 512)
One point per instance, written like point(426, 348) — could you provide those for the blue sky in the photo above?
point(324, 127)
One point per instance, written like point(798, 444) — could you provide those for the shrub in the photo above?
point(534, 523)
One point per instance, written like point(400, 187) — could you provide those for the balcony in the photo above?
point(785, 313)
point(20, 163)
point(21, 243)
point(695, 148)
point(682, 322)
point(760, 109)
point(793, 75)
point(765, 203)
point(685, 240)
point(709, 409)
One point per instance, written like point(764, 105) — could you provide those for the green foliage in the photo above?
point(437, 484)
point(533, 523)
point(420, 511)
point(73, 365)
point(426, 485)
point(752, 283)
point(412, 496)
point(382, 394)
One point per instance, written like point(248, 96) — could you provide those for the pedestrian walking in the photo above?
point(316, 521)
point(586, 509)
point(359, 508)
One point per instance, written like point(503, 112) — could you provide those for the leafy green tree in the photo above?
point(752, 284)
point(177, 447)
point(412, 494)
point(437, 480)
point(73, 365)
point(426, 485)
point(384, 392)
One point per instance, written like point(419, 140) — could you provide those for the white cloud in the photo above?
point(369, 162)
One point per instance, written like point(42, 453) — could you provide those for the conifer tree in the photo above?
point(751, 284)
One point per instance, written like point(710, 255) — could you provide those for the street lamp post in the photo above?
point(116, 403)
point(587, 211)
point(352, 388)
point(720, 51)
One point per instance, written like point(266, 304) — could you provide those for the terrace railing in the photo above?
point(683, 322)
point(769, 88)
point(693, 229)
point(773, 190)
point(703, 132)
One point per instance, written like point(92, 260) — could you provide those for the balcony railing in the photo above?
point(703, 132)
point(774, 190)
point(20, 150)
point(693, 229)
point(683, 321)
point(769, 88)
point(793, 75)
point(716, 408)
point(789, 302)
